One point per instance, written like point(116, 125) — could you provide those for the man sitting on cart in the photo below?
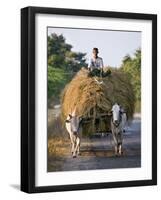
point(95, 65)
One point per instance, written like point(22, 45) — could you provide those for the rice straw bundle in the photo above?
point(93, 101)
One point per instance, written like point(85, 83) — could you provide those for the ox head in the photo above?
point(116, 113)
point(74, 121)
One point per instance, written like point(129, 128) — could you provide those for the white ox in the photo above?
point(72, 124)
point(118, 122)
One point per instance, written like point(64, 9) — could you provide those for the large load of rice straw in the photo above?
point(93, 100)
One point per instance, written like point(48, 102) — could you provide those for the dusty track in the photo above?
point(98, 153)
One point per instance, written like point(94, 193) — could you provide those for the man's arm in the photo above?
point(89, 65)
point(101, 66)
point(101, 63)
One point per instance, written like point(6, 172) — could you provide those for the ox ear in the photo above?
point(70, 115)
point(110, 113)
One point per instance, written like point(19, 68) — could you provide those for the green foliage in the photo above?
point(61, 56)
point(132, 65)
point(62, 64)
point(56, 81)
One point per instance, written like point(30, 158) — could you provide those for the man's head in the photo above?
point(95, 52)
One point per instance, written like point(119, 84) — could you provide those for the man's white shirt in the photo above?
point(95, 63)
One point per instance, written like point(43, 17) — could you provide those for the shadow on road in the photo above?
point(98, 153)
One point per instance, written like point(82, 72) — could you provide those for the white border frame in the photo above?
point(42, 178)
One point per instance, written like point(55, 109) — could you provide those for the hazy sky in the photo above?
point(112, 45)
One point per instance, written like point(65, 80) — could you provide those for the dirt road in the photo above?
point(98, 153)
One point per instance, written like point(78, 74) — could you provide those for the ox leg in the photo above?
point(120, 149)
point(71, 140)
point(74, 154)
point(116, 150)
point(74, 146)
point(78, 145)
point(72, 149)
point(120, 143)
point(115, 143)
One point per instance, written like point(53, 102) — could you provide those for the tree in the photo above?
point(60, 54)
point(62, 64)
point(56, 81)
point(132, 66)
